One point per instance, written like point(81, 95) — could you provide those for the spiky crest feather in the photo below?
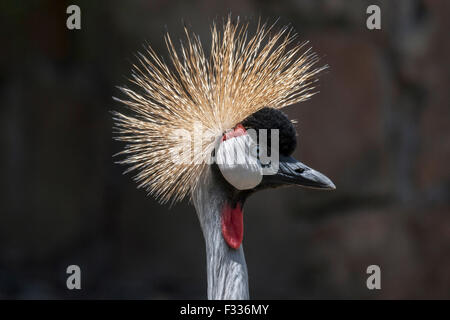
point(241, 76)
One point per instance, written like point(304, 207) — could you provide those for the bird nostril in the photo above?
point(299, 170)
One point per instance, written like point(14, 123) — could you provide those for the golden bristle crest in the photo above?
point(240, 76)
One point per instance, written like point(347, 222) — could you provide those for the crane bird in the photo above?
point(209, 104)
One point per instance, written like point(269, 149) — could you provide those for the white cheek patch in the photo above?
point(238, 162)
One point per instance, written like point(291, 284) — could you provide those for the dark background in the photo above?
point(379, 128)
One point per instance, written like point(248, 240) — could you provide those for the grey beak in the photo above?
point(293, 172)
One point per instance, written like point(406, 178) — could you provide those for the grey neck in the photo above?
point(226, 267)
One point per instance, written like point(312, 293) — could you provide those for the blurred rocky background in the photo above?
point(379, 128)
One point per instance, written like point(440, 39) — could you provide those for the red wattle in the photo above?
point(233, 225)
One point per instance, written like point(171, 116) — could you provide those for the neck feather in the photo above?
point(226, 267)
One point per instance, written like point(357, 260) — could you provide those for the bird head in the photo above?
point(256, 155)
point(231, 97)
